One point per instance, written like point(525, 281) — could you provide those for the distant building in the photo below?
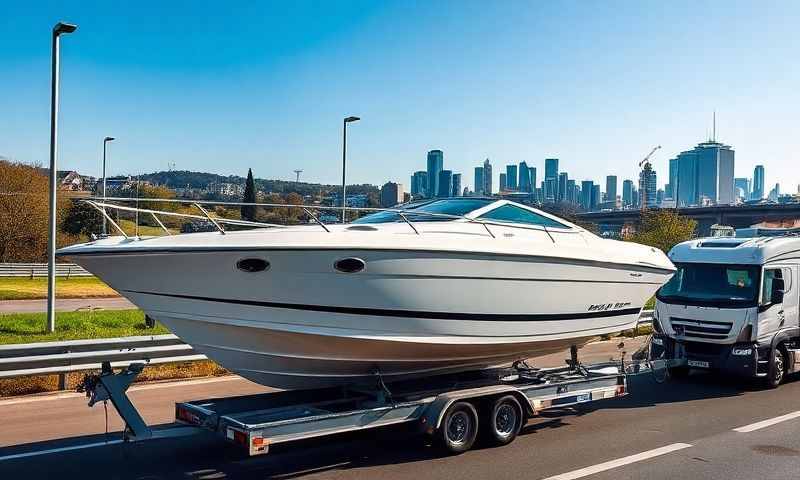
point(487, 177)
point(551, 179)
point(758, 183)
point(533, 178)
point(705, 175)
point(775, 193)
point(511, 177)
point(524, 184)
point(456, 185)
point(571, 194)
point(479, 181)
point(596, 198)
point(741, 188)
point(587, 186)
point(611, 189)
point(391, 194)
point(225, 189)
point(648, 188)
point(445, 184)
point(503, 182)
point(669, 188)
point(627, 193)
point(435, 166)
point(562, 186)
point(419, 184)
point(659, 197)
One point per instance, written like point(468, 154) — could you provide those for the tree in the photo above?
point(249, 211)
point(82, 219)
point(662, 229)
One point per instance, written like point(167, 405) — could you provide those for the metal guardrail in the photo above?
point(76, 355)
point(40, 270)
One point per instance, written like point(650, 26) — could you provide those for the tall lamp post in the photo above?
point(105, 142)
point(60, 28)
point(344, 164)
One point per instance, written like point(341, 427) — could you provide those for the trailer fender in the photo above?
point(434, 412)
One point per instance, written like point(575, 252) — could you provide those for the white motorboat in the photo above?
point(441, 286)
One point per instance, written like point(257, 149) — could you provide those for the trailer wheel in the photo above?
point(777, 368)
point(459, 428)
point(503, 420)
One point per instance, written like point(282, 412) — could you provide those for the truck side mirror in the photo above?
point(777, 291)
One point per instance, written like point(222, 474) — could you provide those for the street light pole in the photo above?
point(344, 164)
point(105, 142)
point(51, 238)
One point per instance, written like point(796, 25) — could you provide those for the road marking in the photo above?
point(152, 386)
point(767, 423)
point(602, 467)
point(57, 450)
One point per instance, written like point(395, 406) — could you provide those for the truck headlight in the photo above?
point(658, 341)
point(742, 352)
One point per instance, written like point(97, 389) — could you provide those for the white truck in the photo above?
point(732, 306)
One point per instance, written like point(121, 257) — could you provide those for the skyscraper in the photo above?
point(445, 184)
point(478, 181)
point(503, 182)
point(456, 185)
point(435, 166)
point(596, 198)
point(419, 183)
point(758, 182)
point(533, 178)
point(571, 197)
point(648, 188)
point(742, 188)
point(511, 177)
point(391, 194)
point(587, 186)
point(551, 179)
point(524, 183)
point(669, 190)
point(562, 186)
point(705, 175)
point(611, 190)
point(487, 177)
point(627, 193)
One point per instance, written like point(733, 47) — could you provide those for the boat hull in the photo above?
point(302, 324)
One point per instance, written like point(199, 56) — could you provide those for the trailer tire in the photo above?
point(503, 420)
point(459, 428)
point(777, 368)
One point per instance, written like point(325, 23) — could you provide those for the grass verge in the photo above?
point(168, 371)
point(30, 327)
point(26, 288)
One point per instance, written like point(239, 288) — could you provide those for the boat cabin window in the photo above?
point(514, 214)
point(416, 211)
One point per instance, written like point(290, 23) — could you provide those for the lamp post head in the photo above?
point(108, 139)
point(62, 27)
point(351, 119)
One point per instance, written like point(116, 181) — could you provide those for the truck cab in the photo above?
point(733, 305)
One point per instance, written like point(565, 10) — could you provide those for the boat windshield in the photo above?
point(710, 284)
point(449, 206)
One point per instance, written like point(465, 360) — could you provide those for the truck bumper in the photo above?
point(739, 359)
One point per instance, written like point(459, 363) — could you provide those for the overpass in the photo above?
point(738, 216)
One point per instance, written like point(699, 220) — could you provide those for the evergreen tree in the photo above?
point(249, 211)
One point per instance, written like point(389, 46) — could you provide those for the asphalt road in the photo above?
point(65, 304)
point(674, 430)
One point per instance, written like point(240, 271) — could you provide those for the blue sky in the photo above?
point(229, 85)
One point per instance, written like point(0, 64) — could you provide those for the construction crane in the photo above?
point(298, 172)
point(644, 164)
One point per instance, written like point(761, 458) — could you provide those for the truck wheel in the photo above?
point(777, 368)
point(459, 428)
point(503, 420)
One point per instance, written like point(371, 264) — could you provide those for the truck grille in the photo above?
point(689, 327)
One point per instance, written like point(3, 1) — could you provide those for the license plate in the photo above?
point(698, 364)
point(583, 397)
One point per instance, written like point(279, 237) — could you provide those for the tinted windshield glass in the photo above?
point(712, 284)
point(448, 207)
point(514, 214)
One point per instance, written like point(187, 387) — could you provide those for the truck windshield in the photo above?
point(712, 284)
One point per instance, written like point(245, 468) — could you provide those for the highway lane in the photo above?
point(701, 411)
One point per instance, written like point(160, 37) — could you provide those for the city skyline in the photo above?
point(274, 86)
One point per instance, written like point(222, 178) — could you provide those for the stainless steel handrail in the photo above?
point(402, 213)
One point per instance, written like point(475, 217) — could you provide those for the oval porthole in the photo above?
point(252, 265)
point(349, 265)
